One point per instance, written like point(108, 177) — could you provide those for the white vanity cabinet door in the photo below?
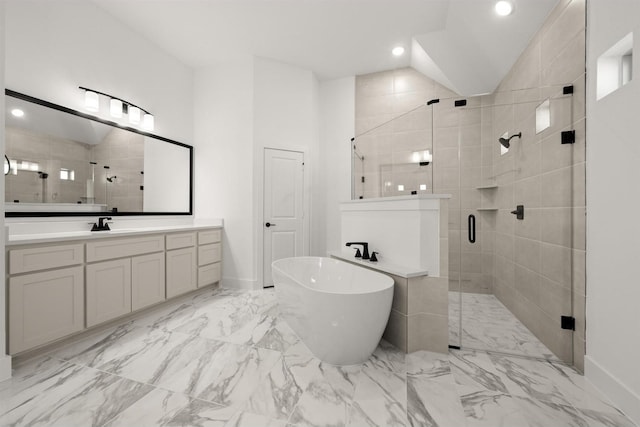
point(108, 290)
point(181, 271)
point(147, 280)
point(44, 307)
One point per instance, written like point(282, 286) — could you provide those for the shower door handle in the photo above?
point(471, 226)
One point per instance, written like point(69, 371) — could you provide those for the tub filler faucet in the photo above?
point(365, 249)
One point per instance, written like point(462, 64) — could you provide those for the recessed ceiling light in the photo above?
point(17, 112)
point(397, 51)
point(504, 8)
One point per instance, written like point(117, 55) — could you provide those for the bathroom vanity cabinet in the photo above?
point(57, 289)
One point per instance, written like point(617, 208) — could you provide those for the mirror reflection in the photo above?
point(63, 161)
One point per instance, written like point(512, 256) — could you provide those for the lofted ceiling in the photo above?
point(462, 44)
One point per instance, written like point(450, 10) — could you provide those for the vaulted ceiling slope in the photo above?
point(462, 44)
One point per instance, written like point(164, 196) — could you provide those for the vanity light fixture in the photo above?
point(504, 8)
point(91, 101)
point(148, 121)
point(118, 108)
point(134, 115)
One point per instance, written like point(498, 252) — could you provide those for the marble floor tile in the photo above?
point(199, 413)
point(433, 402)
point(428, 363)
point(320, 405)
point(157, 408)
point(280, 337)
point(74, 396)
point(278, 394)
point(387, 356)
point(225, 358)
point(247, 419)
point(488, 325)
point(380, 398)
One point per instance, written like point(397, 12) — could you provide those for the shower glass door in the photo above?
point(508, 161)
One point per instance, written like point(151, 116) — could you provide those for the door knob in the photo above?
point(268, 224)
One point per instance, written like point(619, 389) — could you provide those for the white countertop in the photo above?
point(381, 265)
point(61, 236)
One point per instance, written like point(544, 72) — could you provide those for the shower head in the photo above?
point(111, 178)
point(505, 141)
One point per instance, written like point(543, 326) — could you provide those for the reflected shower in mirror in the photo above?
point(63, 162)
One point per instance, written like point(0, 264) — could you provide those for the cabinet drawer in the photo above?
point(181, 240)
point(209, 274)
point(44, 257)
point(209, 236)
point(120, 248)
point(44, 307)
point(208, 254)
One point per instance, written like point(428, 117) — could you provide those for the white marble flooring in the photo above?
point(223, 358)
point(488, 325)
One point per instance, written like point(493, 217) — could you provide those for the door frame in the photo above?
point(259, 203)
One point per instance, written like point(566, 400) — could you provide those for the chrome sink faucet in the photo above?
point(365, 249)
point(102, 224)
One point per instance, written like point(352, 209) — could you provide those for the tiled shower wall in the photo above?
point(529, 265)
point(386, 140)
point(537, 259)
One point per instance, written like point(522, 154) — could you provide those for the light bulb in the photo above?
point(116, 108)
point(397, 51)
point(504, 8)
point(134, 115)
point(91, 101)
point(148, 122)
point(17, 112)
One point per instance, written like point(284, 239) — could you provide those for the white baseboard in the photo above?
point(621, 395)
point(5, 367)
point(234, 283)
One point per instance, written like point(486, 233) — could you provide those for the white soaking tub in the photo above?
point(339, 310)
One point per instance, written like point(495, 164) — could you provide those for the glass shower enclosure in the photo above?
point(516, 214)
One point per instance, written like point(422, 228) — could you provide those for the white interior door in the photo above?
point(283, 207)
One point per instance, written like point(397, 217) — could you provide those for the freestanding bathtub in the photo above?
point(339, 310)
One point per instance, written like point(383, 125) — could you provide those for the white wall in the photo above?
point(53, 47)
point(613, 229)
point(5, 361)
point(337, 121)
point(285, 117)
point(223, 150)
point(240, 108)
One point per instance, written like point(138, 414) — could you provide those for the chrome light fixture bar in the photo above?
point(118, 107)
